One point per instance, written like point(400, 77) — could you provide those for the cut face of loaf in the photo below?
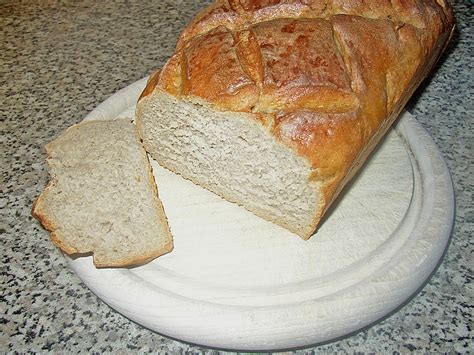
point(234, 156)
point(102, 196)
point(276, 104)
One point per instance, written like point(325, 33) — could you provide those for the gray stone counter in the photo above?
point(60, 59)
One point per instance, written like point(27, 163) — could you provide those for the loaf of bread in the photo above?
point(275, 104)
point(102, 196)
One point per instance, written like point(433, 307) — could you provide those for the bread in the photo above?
point(275, 104)
point(102, 197)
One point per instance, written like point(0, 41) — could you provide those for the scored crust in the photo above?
point(327, 78)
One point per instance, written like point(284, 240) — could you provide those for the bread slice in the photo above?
point(102, 197)
point(275, 105)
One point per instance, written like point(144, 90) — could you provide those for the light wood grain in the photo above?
point(236, 281)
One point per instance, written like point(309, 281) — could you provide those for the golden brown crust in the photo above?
point(151, 83)
point(328, 75)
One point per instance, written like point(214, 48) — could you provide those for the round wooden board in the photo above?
point(235, 281)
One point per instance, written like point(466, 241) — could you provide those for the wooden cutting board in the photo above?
point(235, 281)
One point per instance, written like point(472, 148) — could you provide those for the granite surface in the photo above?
point(60, 59)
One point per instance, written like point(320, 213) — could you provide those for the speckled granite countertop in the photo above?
point(60, 59)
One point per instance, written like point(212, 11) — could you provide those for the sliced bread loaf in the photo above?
point(102, 197)
point(275, 105)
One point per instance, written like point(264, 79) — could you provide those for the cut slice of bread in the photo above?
point(102, 197)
